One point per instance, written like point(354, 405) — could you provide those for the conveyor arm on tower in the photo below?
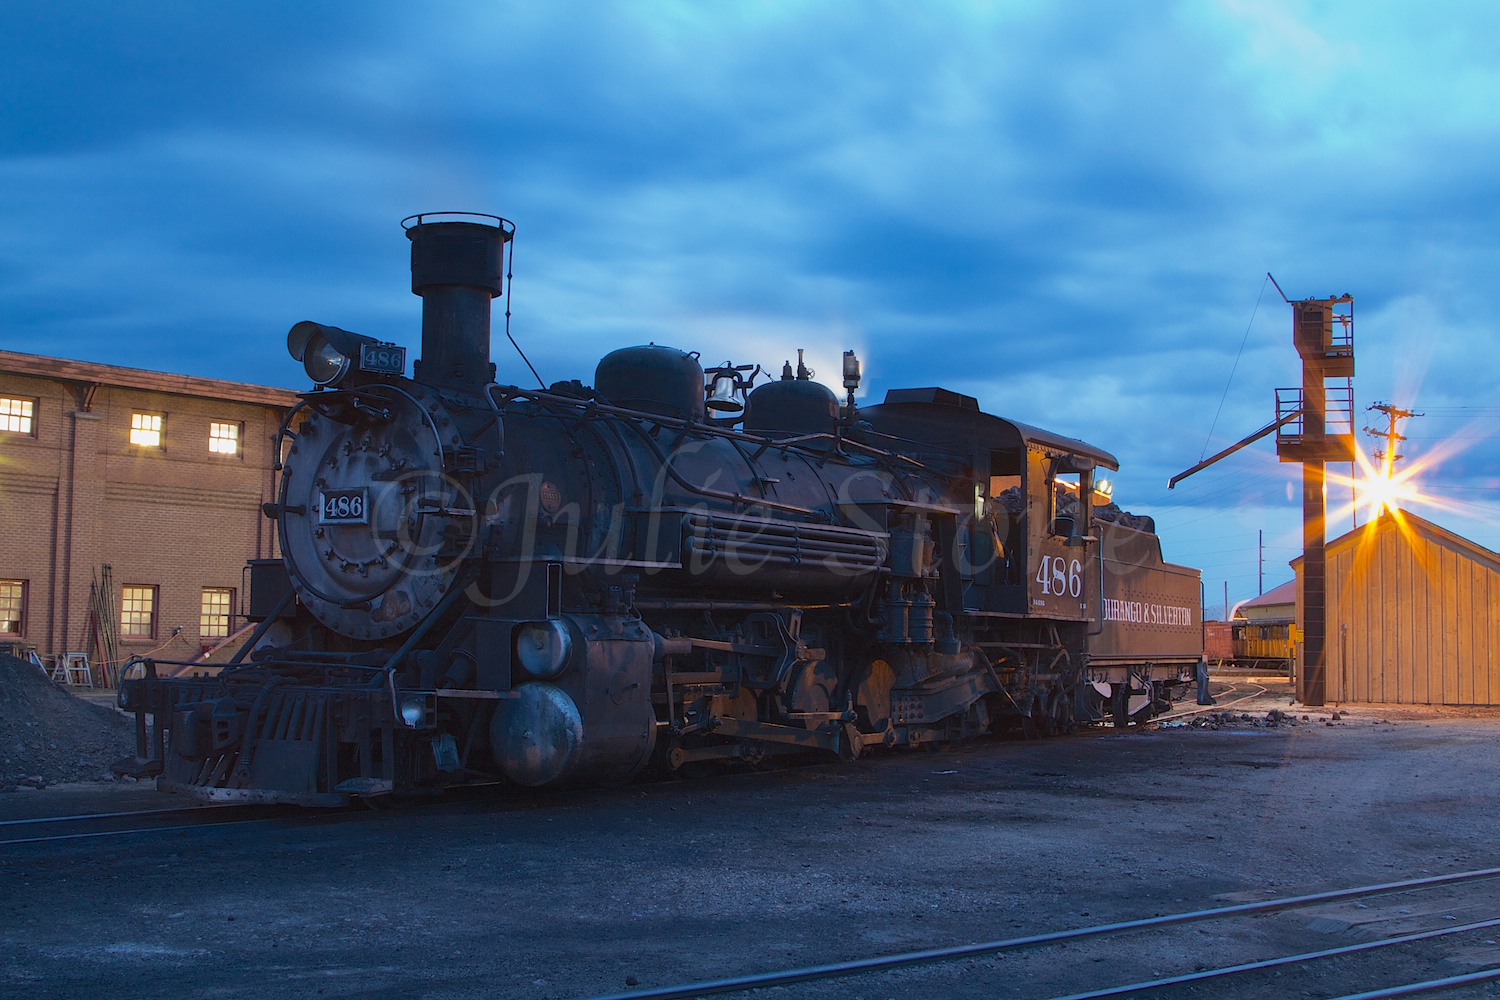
point(1273, 425)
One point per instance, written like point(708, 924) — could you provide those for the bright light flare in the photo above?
point(1379, 488)
point(1380, 493)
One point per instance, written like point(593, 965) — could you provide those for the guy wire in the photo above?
point(1236, 365)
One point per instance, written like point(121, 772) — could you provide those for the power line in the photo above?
point(1188, 498)
point(1487, 508)
point(1234, 491)
point(1220, 513)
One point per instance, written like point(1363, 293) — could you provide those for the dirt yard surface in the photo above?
point(576, 894)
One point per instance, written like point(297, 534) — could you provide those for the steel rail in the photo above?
point(94, 817)
point(840, 970)
point(1271, 963)
point(207, 816)
point(1429, 986)
point(123, 833)
point(1168, 717)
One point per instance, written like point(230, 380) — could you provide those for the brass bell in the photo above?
point(726, 397)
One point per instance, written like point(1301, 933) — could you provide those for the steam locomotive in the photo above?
point(690, 567)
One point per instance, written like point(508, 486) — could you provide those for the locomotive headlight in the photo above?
point(324, 364)
point(543, 648)
point(328, 354)
point(413, 710)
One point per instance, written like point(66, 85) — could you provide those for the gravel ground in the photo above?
point(579, 893)
point(47, 736)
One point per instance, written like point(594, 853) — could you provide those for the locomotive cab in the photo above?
point(1027, 552)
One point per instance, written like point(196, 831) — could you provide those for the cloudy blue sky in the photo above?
point(1064, 209)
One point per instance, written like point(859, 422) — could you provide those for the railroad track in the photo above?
point(94, 825)
point(1448, 927)
point(1217, 707)
point(97, 825)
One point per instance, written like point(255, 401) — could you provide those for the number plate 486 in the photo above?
point(1061, 577)
point(343, 507)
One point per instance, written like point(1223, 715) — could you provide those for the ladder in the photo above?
point(73, 670)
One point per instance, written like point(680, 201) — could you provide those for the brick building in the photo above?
point(158, 476)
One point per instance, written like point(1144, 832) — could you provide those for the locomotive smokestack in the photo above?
point(457, 267)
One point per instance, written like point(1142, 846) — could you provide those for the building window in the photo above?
point(137, 612)
point(17, 415)
point(223, 439)
point(213, 616)
point(145, 429)
point(12, 607)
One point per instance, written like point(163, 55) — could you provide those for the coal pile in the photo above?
point(1013, 501)
point(1274, 719)
point(47, 736)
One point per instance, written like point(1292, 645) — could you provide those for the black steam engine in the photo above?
point(483, 582)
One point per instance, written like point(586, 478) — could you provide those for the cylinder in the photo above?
point(457, 268)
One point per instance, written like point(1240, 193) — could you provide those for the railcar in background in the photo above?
point(1268, 645)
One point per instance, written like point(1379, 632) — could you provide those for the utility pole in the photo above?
point(1260, 579)
point(1387, 455)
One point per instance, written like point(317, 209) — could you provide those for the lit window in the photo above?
point(12, 606)
point(213, 618)
point(16, 415)
point(138, 612)
point(145, 429)
point(224, 439)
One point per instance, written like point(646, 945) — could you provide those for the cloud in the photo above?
point(1066, 214)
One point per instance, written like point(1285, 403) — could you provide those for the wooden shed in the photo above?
point(1413, 615)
